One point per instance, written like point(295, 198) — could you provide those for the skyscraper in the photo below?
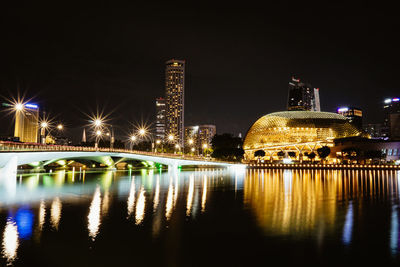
point(160, 118)
point(27, 123)
point(302, 96)
point(353, 114)
point(391, 123)
point(174, 96)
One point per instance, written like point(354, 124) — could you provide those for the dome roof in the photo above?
point(291, 127)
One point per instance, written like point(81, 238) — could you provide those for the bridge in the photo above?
point(14, 154)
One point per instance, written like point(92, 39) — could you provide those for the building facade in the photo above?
point(354, 115)
point(160, 118)
point(174, 100)
point(374, 130)
point(391, 123)
point(301, 96)
point(27, 123)
point(296, 133)
point(199, 137)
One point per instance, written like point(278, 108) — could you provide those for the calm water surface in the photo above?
point(201, 218)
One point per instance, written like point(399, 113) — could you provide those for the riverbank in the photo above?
point(321, 166)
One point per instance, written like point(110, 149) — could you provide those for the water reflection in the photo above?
point(55, 213)
point(348, 225)
point(141, 202)
point(10, 241)
point(94, 214)
point(131, 198)
point(204, 195)
point(299, 204)
point(304, 202)
point(190, 196)
point(42, 215)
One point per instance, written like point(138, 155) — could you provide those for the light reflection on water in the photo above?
point(318, 205)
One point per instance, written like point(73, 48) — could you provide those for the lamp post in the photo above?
point(132, 140)
point(205, 146)
point(98, 135)
point(43, 127)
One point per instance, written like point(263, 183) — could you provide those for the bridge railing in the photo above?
point(7, 146)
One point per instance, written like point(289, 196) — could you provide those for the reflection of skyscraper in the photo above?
point(174, 93)
point(302, 96)
point(27, 123)
point(160, 118)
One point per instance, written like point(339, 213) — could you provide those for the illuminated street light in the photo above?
point(60, 127)
point(97, 122)
point(142, 131)
point(133, 138)
point(19, 106)
point(191, 141)
point(44, 124)
point(98, 133)
point(170, 137)
point(158, 142)
point(205, 146)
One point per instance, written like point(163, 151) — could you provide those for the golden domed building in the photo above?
point(296, 131)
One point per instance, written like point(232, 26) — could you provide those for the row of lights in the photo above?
point(324, 165)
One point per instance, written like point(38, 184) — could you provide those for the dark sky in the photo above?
point(72, 57)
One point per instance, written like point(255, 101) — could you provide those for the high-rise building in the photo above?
point(199, 136)
point(374, 130)
point(160, 118)
point(316, 102)
point(391, 123)
point(206, 134)
point(174, 100)
point(353, 114)
point(302, 96)
point(27, 123)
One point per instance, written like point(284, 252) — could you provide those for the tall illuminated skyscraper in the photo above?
point(302, 96)
point(160, 118)
point(174, 98)
point(27, 123)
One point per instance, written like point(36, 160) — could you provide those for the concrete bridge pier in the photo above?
point(8, 174)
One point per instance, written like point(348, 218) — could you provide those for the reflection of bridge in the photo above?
point(15, 154)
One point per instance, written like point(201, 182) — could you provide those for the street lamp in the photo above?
point(60, 127)
point(133, 140)
point(43, 126)
point(19, 107)
point(98, 135)
point(205, 146)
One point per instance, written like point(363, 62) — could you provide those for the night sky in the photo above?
point(74, 57)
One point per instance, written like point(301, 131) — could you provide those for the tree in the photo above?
point(311, 155)
point(259, 153)
point(227, 147)
point(323, 152)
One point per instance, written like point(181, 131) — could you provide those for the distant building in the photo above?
point(160, 118)
point(174, 100)
point(206, 134)
point(316, 102)
point(391, 123)
point(302, 96)
point(27, 123)
point(374, 130)
point(353, 114)
point(199, 136)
